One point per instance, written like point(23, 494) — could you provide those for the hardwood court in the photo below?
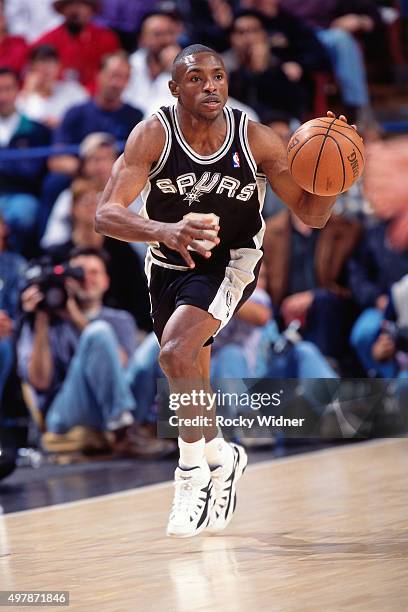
point(320, 532)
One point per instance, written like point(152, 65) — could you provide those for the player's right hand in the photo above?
point(179, 236)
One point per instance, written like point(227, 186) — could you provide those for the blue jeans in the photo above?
point(348, 65)
point(95, 391)
point(21, 212)
point(142, 373)
point(6, 362)
point(363, 335)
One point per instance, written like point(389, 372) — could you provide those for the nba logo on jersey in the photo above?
point(235, 160)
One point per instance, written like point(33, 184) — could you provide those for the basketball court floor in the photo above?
point(323, 531)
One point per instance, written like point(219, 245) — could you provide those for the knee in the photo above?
point(340, 38)
point(306, 350)
point(177, 360)
point(97, 334)
point(366, 327)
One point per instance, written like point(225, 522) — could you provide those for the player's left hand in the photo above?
point(341, 118)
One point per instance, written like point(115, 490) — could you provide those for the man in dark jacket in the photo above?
point(306, 278)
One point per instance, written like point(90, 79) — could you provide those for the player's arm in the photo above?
point(129, 176)
point(270, 155)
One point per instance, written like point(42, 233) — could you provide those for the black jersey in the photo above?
point(225, 183)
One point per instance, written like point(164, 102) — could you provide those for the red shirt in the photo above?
point(81, 53)
point(13, 52)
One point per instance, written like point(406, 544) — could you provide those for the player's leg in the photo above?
point(185, 334)
point(227, 461)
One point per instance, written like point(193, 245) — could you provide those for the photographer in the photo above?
point(74, 355)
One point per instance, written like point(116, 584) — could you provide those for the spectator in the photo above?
point(31, 19)
point(336, 23)
point(106, 112)
point(130, 296)
point(80, 44)
point(75, 359)
point(257, 77)
point(20, 178)
point(209, 21)
point(44, 96)
point(13, 49)
point(381, 338)
point(151, 63)
point(97, 153)
point(290, 38)
point(306, 278)
point(124, 18)
point(243, 349)
point(11, 274)
point(380, 261)
point(386, 351)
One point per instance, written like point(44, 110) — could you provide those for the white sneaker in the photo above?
point(193, 500)
point(224, 479)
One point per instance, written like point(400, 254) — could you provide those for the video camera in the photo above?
point(51, 280)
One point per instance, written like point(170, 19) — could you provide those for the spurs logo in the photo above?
point(187, 185)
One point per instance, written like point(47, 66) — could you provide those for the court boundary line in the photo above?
point(167, 483)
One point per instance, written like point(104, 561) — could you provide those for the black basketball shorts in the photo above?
point(221, 291)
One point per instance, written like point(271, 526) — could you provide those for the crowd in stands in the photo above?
point(76, 76)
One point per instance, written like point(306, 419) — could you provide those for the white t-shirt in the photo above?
point(142, 91)
point(31, 18)
point(58, 228)
point(149, 95)
point(65, 95)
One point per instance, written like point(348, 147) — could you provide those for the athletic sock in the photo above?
point(218, 452)
point(191, 453)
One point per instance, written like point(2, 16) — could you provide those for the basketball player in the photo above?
point(205, 158)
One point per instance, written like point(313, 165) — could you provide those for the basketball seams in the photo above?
point(342, 162)
point(350, 140)
point(319, 156)
point(337, 123)
point(301, 147)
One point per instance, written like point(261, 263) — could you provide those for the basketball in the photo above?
point(326, 156)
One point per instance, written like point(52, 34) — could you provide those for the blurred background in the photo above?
point(78, 362)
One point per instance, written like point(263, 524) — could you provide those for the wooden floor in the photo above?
point(325, 531)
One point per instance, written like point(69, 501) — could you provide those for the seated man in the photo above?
point(20, 179)
point(12, 267)
point(306, 278)
point(105, 112)
point(75, 357)
point(131, 296)
point(45, 97)
point(151, 63)
point(379, 261)
point(81, 44)
point(97, 154)
point(336, 23)
point(389, 352)
point(258, 77)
